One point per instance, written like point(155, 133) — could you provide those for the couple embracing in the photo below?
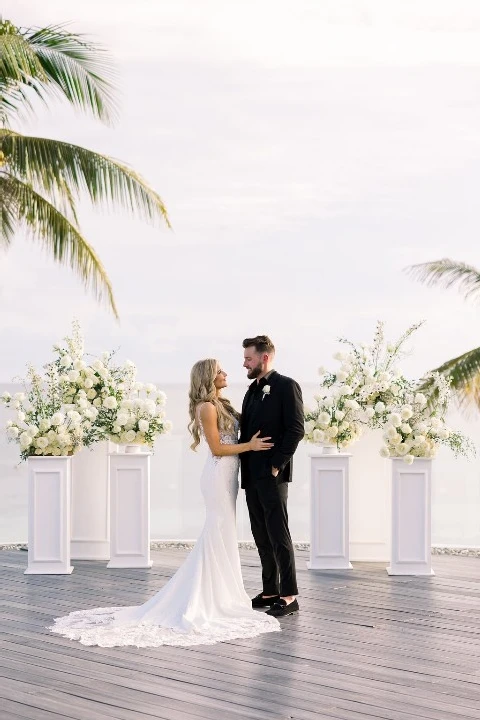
point(205, 601)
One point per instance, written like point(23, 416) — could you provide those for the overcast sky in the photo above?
point(307, 152)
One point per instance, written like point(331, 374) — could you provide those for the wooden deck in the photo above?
point(364, 645)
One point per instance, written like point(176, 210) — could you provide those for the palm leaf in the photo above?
point(53, 61)
point(464, 372)
point(80, 70)
point(58, 167)
point(22, 205)
point(448, 273)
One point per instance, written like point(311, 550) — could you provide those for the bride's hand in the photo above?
point(257, 443)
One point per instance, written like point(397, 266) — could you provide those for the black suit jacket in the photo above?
point(279, 415)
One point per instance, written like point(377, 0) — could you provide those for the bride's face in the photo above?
point(220, 379)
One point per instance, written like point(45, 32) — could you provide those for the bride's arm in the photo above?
point(209, 418)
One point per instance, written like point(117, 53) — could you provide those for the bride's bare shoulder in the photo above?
point(206, 410)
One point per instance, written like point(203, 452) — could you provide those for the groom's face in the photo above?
point(254, 362)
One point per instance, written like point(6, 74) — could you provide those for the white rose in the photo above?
point(318, 436)
point(74, 416)
point(6, 397)
point(418, 440)
point(110, 403)
point(406, 412)
point(143, 426)
point(88, 383)
point(44, 424)
point(41, 442)
point(384, 451)
point(66, 361)
point(402, 449)
point(408, 459)
point(161, 398)
point(346, 390)
point(395, 419)
point(405, 428)
point(130, 435)
point(339, 414)
point(58, 418)
point(332, 431)
point(33, 430)
point(436, 423)
point(390, 431)
point(20, 417)
point(91, 394)
point(369, 413)
point(151, 407)
point(341, 376)
point(126, 405)
point(138, 386)
point(379, 408)
point(79, 365)
point(25, 440)
point(420, 399)
point(97, 402)
point(328, 402)
point(12, 433)
point(150, 387)
point(309, 426)
point(98, 366)
point(73, 375)
point(396, 439)
point(324, 418)
point(51, 435)
point(63, 440)
point(421, 427)
point(117, 429)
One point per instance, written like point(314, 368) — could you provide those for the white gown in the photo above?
point(204, 602)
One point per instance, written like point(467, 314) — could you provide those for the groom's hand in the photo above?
point(275, 471)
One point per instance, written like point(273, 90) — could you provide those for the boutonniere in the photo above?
point(265, 391)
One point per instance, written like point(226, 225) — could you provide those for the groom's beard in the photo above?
point(254, 372)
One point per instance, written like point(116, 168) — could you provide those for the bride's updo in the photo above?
point(202, 389)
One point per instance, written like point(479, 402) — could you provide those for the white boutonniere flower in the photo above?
point(265, 391)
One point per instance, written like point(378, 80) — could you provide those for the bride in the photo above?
point(205, 601)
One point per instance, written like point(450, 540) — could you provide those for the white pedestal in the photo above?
point(49, 516)
point(90, 517)
point(129, 510)
point(329, 536)
point(411, 518)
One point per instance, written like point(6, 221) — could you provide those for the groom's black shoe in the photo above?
point(262, 602)
point(280, 608)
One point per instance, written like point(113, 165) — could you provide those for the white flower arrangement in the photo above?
point(333, 421)
point(417, 426)
point(77, 403)
point(43, 424)
point(137, 419)
point(370, 390)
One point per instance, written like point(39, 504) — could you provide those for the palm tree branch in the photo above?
point(22, 203)
point(78, 68)
point(448, 273)
point(464, 372)
point(54, 165)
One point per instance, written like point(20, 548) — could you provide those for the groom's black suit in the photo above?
point(277, 414)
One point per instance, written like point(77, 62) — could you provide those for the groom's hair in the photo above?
point(261, 343)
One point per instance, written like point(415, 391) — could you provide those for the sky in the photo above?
point(307, 153)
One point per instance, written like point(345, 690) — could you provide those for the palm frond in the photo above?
point(55, 166)
point(18, 59)
point(464, 372)
point(448, 273)
point(81, 70)
point(22, 205)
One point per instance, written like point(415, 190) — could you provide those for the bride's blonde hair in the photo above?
point(202, 389)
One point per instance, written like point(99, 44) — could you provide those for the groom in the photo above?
point(273, 404)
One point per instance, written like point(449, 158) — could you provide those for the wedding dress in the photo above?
point(205, 601)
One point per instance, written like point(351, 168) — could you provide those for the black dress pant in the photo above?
point(267, 507)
